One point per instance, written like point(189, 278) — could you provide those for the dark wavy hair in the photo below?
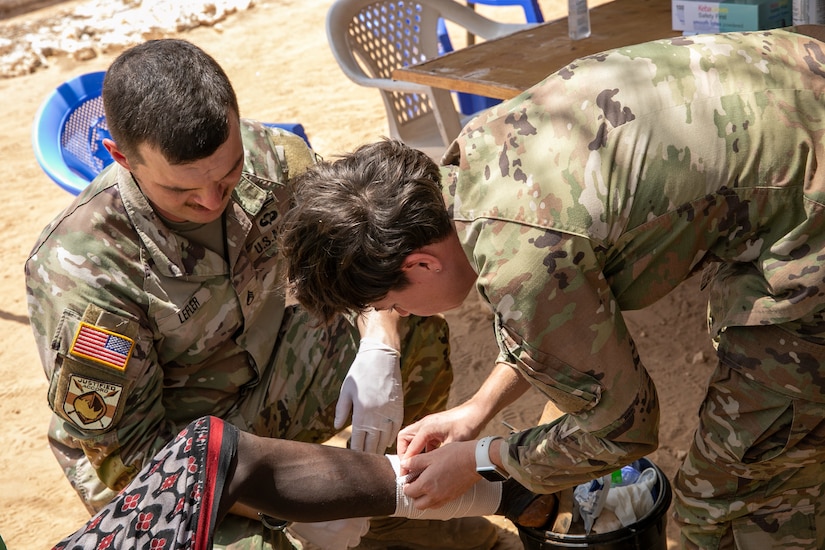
point(171, 95)
point(355, 220)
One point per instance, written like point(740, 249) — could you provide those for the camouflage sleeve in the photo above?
point(298, 155)
point(558, 323)
point(96, 348)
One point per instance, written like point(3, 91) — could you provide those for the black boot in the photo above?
point(523, 507)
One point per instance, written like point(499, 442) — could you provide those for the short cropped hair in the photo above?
point(353, 223)
point(170, 95)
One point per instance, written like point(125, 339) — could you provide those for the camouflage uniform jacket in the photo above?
point(140, 330)
point(606, 185)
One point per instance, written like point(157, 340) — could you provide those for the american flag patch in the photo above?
point(103, 346)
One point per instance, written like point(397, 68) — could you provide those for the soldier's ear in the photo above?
point(420, 264)
point(116, 153)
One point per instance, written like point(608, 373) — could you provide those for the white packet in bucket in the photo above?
point(628, 503)
point(589, 499)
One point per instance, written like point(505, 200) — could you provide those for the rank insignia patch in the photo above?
point(91, 404)
point(103, 346)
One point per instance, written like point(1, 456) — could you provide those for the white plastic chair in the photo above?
point(371, 38)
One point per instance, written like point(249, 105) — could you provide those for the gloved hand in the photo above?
point(372, 391)
point(338, 534)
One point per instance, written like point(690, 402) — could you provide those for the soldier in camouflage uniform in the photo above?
point(157, 297)
point(597, 191)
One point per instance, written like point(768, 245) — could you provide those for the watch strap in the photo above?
point(483, 462)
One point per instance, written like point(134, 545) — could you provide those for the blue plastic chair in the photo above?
point(469, 103)
point(69, 128)
point(532, 10)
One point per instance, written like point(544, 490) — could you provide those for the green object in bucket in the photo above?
point(648, 533)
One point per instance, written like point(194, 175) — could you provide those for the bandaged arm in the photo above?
point(289, 480)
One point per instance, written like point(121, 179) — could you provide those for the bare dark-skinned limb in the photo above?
point(301, 482)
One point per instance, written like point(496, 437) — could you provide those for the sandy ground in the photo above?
point(277, 57)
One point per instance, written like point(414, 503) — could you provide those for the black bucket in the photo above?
point(648, 533)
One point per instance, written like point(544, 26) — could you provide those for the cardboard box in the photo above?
point(699, 16)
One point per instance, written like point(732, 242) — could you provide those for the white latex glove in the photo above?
point(338, 534)
point(372, 391)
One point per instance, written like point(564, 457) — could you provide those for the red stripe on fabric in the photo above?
point(213, 455)
point(100, 352)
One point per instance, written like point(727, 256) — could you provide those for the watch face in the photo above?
point(491, 474)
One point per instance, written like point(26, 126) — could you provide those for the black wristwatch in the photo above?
point(485, 466)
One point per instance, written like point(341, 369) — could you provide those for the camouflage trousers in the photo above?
point(297, 394)
point(754, 476)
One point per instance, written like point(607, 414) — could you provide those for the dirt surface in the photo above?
point(276, 54)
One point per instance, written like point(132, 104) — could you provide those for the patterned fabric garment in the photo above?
point(171, 503)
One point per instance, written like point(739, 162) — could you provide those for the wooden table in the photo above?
point(507, 66)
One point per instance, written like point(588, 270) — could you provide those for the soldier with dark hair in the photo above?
point(158, 297)
point(597, 191)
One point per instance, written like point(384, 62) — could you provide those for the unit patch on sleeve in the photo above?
point(102, 346)
point(91, 404)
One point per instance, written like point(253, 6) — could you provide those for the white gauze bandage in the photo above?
point(482, 499)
